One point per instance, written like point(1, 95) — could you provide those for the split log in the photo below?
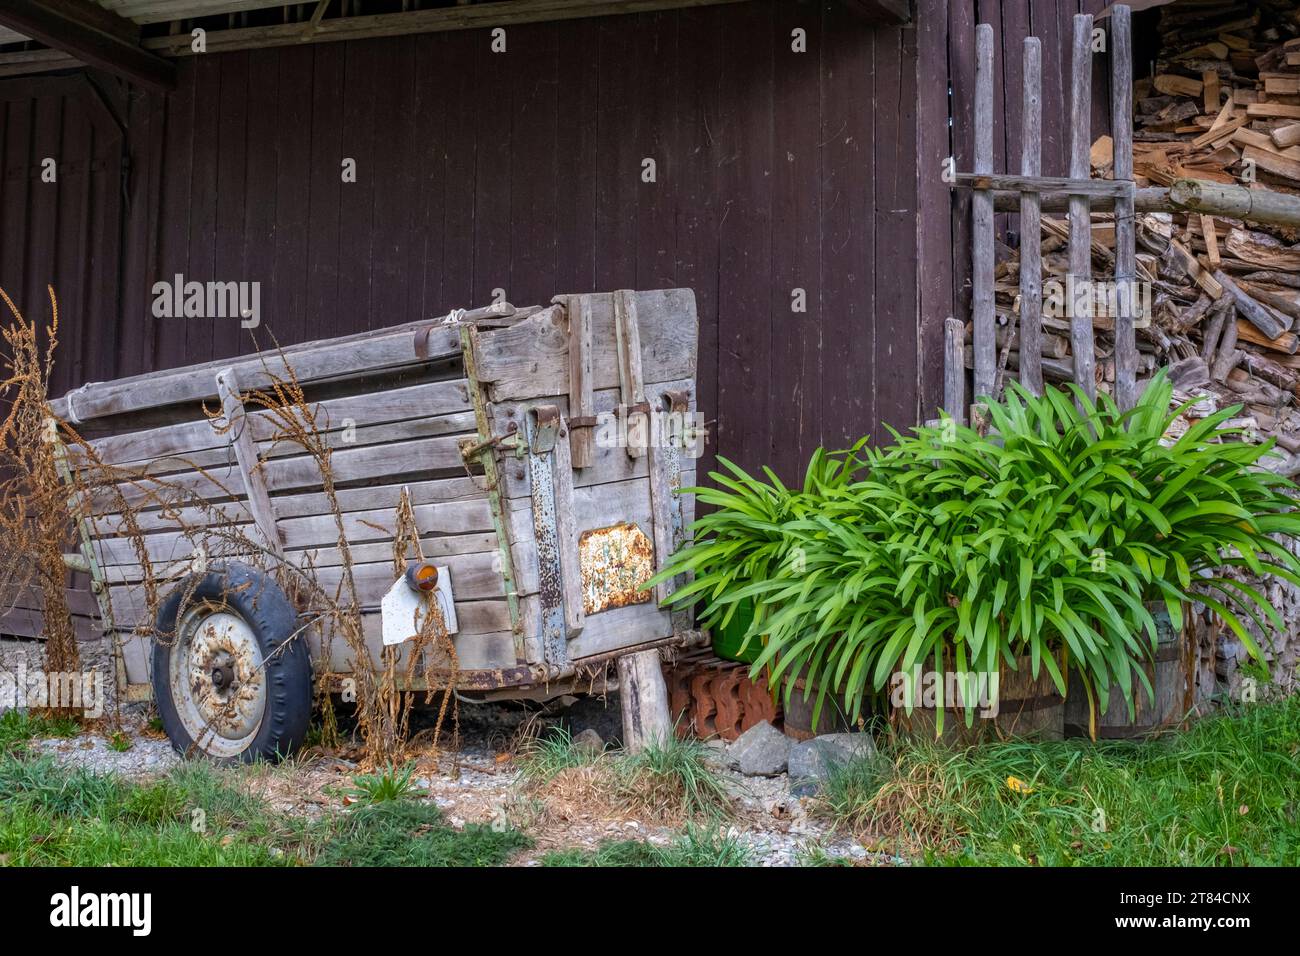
point(1258, 315)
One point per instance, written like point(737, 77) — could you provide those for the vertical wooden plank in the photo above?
point(744, 132)
point(1031, 265)
point(961, 61)
point(241, 441)
point(575, 213)
point(935, 246)
point(493, 184)
point(894, 144)
point(796, 241)
point(395, 179)
point(630, 378)
point(200, 265)
point(428, 209)
point(43, 210)
point(1081, 339)
point(982, 302)
point(619, 167)
point(13, 224)
point(287, 318)
point(71, 255)
point(1121, 86)
point(1048, 21)
point(459, 73)
point(365, 85)
point(849, 189)
point(175, 209)
point(327, 154)
point(954, 369)
point(103, 313)
point(699, 155)
point(582, 438)
point(260, 198)
point(657, 208)
point(233, 168)
point(535, 51)
point(140, 260)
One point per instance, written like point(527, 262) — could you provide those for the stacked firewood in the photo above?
point(1221, 296)
point(1223, 105)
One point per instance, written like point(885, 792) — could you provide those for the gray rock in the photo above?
point(589, 741)
point(761, 751)
point(811, 761)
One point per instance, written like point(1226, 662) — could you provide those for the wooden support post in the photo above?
point(1121, 121)
point(1031, 258)
point(630, 380)
point(643, 694)
point(954, 370)
point(241, 440)
point(582, 408)
point(982, 301)
point(1080, 277)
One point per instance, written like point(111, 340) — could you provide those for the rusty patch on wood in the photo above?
point(614, 562)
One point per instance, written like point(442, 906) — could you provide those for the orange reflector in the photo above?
point(422, 576)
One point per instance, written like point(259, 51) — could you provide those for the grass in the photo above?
point(198, 816)
point(18, 727)
point(696, 846)
point(407, 833)
point(1227, 792)
point(670, 781)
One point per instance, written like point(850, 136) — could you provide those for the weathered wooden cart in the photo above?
point(540, 449)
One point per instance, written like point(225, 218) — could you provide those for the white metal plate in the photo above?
point(403, 610)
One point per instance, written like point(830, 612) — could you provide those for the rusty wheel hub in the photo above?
point(217, 680)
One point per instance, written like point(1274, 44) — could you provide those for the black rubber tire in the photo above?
point(256, 598)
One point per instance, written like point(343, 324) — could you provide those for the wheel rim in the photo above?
point(217, 680)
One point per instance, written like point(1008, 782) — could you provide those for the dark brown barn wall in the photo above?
point(521, 171)
point(64, 233)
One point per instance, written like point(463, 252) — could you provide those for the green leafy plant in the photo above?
point(390, 783)
point(1039, 542)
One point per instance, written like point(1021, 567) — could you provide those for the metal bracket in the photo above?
point(544, 425)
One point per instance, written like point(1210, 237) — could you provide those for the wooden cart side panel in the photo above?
point(427, 401)
point(531, 358)
point(338, 358)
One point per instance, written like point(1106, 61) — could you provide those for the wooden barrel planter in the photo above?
point(1028, 707)
point(799, 715)
point(1169, 677)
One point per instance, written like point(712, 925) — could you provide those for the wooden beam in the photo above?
point(26, 62)
point(983, 305)
point(473, 17)
point(1121, 112)
point(881, 11)
point(93, 35)
point(240, 437)
point(1031, 222)
point(1081, 340)
point(1043, 184)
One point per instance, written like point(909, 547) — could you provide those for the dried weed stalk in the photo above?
point(36, 524)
